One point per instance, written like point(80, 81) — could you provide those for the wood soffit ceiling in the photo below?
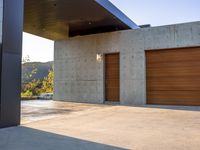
point(56, 19)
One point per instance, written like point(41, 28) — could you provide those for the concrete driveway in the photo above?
point(86, 126)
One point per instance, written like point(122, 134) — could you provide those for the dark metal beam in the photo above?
point(10, 63)
point(118, 13)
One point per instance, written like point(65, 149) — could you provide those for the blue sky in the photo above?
point(154, 12)
point(160, 12)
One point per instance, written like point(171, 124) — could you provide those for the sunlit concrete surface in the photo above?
point(34, 110)
point(94, 127)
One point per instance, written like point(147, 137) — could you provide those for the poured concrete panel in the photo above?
point(75, 61)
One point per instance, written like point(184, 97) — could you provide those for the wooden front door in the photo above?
point(112, 75)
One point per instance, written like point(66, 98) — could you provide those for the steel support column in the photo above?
point(10, 62)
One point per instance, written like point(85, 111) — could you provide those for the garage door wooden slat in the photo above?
point(180, 55)
point(193, 71)
point(167, 83)
point(173, 76)
point(174, 97)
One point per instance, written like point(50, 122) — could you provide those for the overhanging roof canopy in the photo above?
point(56, 19)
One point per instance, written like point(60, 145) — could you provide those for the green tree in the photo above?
point(26, 94)
point(47, 83)
point(29, 74)
point(36, 87)
point(33, 88)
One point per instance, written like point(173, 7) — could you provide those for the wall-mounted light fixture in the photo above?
point(99, 57)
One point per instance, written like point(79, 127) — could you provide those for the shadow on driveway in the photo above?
point(23, 138)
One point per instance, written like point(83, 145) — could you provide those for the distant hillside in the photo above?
point(42, 70)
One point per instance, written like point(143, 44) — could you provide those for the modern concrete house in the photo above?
point(100, 55)
point(158, 65)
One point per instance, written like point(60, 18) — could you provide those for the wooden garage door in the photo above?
point(173, 76)
point(112, 77)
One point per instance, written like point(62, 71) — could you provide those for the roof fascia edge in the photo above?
point(117, 13)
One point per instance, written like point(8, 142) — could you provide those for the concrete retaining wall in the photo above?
point(79, 77)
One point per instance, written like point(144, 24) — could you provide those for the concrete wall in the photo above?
point(79, 77)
